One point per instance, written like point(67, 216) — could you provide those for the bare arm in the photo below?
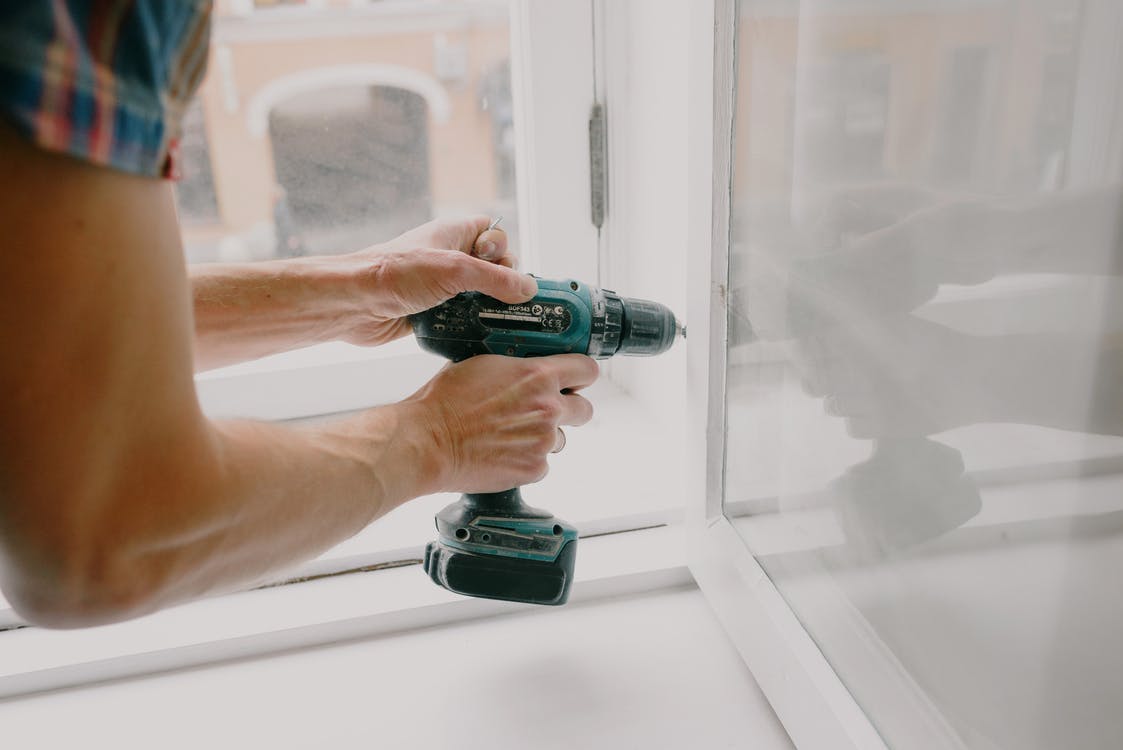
point(117, 496)
point(249, 310)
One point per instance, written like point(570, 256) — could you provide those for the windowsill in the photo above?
point(328, 610)
point(653, 670)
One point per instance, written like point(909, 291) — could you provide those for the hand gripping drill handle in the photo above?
point(493, 545)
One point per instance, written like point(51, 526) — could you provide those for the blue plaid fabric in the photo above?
point(103, 80)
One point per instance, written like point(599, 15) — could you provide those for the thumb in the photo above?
point(505, 284)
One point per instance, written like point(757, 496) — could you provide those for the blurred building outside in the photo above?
point(328, 126)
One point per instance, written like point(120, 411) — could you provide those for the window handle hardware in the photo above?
point(598, 164)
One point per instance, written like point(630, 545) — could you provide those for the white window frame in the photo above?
point(807, 695)
point(803, 688)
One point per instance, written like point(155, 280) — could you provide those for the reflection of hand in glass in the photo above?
point(869, 252)
point(908, 491)
point(883, 250)
point(904, 376)
point(895, 377)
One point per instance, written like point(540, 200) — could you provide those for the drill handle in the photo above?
point(490, 502)
point(506, 504)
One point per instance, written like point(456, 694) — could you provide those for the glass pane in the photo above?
point(325, 127)
point(925, 363)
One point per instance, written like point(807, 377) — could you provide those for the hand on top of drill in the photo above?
point(424, 267)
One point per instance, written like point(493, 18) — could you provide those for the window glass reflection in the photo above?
point(925, 365)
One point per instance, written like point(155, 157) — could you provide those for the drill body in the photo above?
point(493, 545)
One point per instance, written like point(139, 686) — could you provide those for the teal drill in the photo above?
point(493, 545)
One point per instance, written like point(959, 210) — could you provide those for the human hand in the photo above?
point(493, 420)
point(958, 241)
point(881, 250)
point(909, 491)
point(424, 267)
point(897, 377)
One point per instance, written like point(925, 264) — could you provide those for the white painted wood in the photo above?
point(641, 70)
point(706, 275)
point(268, 621)
point(811, 701)
point(650, 671)
point(815, 707)
point(552, 93)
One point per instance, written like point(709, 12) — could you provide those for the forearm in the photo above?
point(248, 310)
point(219, 507)
point(1070, 232)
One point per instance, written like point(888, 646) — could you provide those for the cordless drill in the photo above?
point(492, 544)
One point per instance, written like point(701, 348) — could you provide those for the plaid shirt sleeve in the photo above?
point(106, 81)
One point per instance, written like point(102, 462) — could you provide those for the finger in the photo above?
point(573, 371)
point(475, 236)
point(466, 232)
point(494, 280)
point(492, 246)
point(576, 410)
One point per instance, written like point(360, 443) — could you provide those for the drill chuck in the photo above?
point(646, 329)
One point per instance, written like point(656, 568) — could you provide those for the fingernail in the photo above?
point(530, 286)
point(487, 249)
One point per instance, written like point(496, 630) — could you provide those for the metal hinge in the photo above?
point(598, 164)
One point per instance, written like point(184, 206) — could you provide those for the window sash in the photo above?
point(805, 691)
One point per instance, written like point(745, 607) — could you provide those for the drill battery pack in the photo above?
point(495, 577)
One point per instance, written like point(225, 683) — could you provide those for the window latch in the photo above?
point(598, 164)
